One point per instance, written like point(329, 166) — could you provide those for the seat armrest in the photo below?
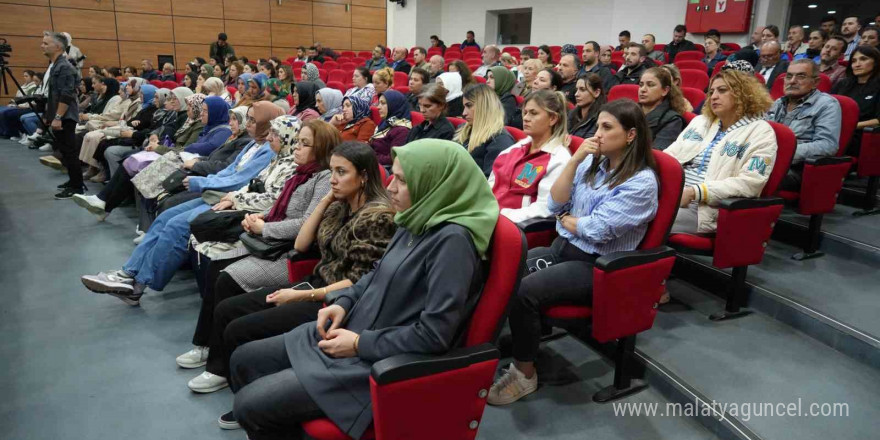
point(623, 260)
point(411, 366)
point(537, 224)
point(758, 202)
point(871, 130)
point(312, 254)
point(828, 160)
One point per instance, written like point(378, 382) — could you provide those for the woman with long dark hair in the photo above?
point(862, 84)
point(589, 99)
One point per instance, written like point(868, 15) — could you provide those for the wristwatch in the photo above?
point(58, 117)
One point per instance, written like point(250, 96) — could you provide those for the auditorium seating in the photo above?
point(458, 380)
point(718, 67)
point(457, 122)
point(823, 180)
point(697, 79)
point(374, 115)
point(416, 117)
point(869, 166)
point(400, 79)
point(744, 228)
point(694, 96)
point(691, 64)
point(517, 134)
point(695, 55)
point(627, 91)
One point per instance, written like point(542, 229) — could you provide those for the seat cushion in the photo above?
point(696, 242)
point(568, 312)
point(791, 196)
point(324, 429)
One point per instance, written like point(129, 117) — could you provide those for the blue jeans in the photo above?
point(9, 120)
point(30, 122)
point(163, 250)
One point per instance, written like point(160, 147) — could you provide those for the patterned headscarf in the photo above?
point(260, 80)
point(360, 109)
point(312, 73)
point(275, 87)
point(288, 128)
point(569, 48)
point(149, 91)
point(739, 65)
point(194, 102)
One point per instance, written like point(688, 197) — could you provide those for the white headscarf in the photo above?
point(452, 83)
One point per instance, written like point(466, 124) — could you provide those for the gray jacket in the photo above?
point(415, 301)
point(62, 88)
point(815, 122)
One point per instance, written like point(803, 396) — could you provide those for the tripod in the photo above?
point(4, 83)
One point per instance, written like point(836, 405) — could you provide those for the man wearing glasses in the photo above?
point(771, 63)
point(813, 116)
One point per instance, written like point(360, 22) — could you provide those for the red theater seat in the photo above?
point(337, 85)
point(339, 75)
point(718, 67)
point(400, 79)
point(456, 381)
point(697, 55)
point(744, 228)
point(694, 96)
point(697, 79)
point(691, 64)
point(416, 118)
point(457, 122)
point(374, 115)
point(517, 134)
point(331, 64)
point(869, 166)
point(624, 91)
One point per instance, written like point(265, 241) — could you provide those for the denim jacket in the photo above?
point(815, 122)
point(62, 88)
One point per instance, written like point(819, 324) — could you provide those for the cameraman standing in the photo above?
point(62, 109)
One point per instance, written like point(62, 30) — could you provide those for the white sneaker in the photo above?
point(207, 383)
point(139, 239)
point(34, 136)
point(93, 204)
point(511, 386)
point(46, 148)
point(25, 141)
point(15, 138)
point(195, 358)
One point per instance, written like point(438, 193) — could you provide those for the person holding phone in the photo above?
point(603, 201)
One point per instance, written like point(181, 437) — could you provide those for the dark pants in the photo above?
point(270, 402)
point(10, 124)
point(793, 178)
point(568, 281)
point(247, 317)
point(65, 143)
point(208, 273)
point(117, 190)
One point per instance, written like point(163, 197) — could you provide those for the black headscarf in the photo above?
point(193, 79)
point(306, 91)
point(98, 104)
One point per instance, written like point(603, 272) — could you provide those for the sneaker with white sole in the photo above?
point(15, 138)
point(46, 148)
point(207, 383)
point(511, 386)
point(195, 358)
point(227, 421)
point(116, 283)
point(93, 204)
point(139, 239)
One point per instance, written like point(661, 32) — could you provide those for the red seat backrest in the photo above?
point(480, 79)
point(337, 85)
point(365, 54)
point(158, 84)
point(824, 83)
point(694, 96)
point(330, 65)
point(689, 116)
point(317, 64)
point(697, 79)
point(659, 46)
point(700, 47)
point(402, 89)
point(374, 115)
point(178, 76)
point(400, 79)
point(339, 75)
point(778, 89)
point(170, 85)
point(348, 66)
point(718, 67)
point(689, 55)
point(519, 100)
point(732, 46)
point(575, 143)
point(760, 78)
point(359, 61)
point(457, 122)
point(347, 53)
point(416, 117)
point(231, 90)
point(849, 111)
point(786, 142)
point(691, 64)
point(670, 175)
point(620, 91)
point(297, 73)
point(517, 134)
point(506, 254)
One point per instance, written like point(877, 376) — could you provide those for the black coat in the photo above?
point(512, 113)
point(568, 89)
point(484, 155)
point(403, 66)
point(440, 129)
point(781, 68)
point(455, 108)
point(627, 76)
point(665, 125)
point(673, 49)
point(584, 129)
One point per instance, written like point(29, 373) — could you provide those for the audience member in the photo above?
point(605, 55)
point(302, 54)
point(648, 40)
point(871, 36)
point(437, 66)
point(502, 81)
point(73, 53)
point(603, 203)
point(420, 58)
point(510, 63)
point(491, 57)
point(523, 174)
point(829, 24)
point(771, 63)
point(354, 123)
point(399, 63)
point(363, 84)
point(527, 54)
point(817, 41)
point(418, 78)
point(394, 127)
point(831, 52)
point(678, 43)
point(545, 55)
point(592, 64)
point(634, 65)
point(432, 105)
point(813, 116)
point(623, 40)
point(328, 102)
point(795, 44)
point(274, 93)
point(547, 79)
point(451, 81)
point(663, 104)
point(469, 41)
point(314, 55)
point(530, 69)
point(568, 69)
point(676, 79)
point(383, 80)
point(221, 48)
point(467, 78)
point(483, 133)
point(167, 73)
point(437, 42)
point(849, 30)
point(862, 83)
point(589, 99)
point(713, 53)
point(325, 52)
point(304, 101)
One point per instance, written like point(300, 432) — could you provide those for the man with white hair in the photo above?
point(491, 58)
point(399, 63)
point(437, 63)
point(62, 109)
point(75, 55)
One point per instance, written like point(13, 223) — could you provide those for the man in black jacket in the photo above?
point(678, 44)
point(590, 58)
point(399, 63)
point(568, 69)
point(771, 62)
point(62, 110)
point(634, 59)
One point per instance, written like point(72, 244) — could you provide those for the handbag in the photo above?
point(212, 197)
point(265, 248)
point(149, 181)
point(222, 226)
point(173, 184)
point(136, 162)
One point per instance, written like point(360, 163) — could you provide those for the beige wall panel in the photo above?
point(184, 53)
point(144, 27)
point(291, 11)
point(26, 52)
point(144, 6)
point(24, 20)
point(103, 5)
point(363, 17)
point(253, 52)
point(326, 14)
point(27, 2)
point(197, 30)
point(198, 8)
point(283, 53)
point(248, 33)
point(373, 3)
point(246, 10)
point(291, 35)
point(133, 52)
point(334, 38)
point(99, 52)
point(366, 39)
point(82, 23)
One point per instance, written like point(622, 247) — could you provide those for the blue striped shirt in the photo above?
point(609, 220)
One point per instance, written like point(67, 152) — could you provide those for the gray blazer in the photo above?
point(62, 88)
point(413, 302)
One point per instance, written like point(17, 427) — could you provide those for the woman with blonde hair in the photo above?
point(383, 80)
point(676, 79)
point(483, 134)
point(523, 174)
point(713, 52)
point(530, 69)
point(663, 105)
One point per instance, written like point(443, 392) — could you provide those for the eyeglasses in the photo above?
point(799, 77)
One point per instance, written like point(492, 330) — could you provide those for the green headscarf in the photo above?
point(504, 80)
point(446, 185)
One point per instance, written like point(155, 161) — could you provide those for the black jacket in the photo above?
point(569, 89)
point(627, 76)
point(673, 49)
point(413, 101)
point(455, 108)
point(486, 154)
point(584, 129)
point(780, 68)
point(665, 125)
point(220, 158)
point(440, 129)
point(605, 73)
point(403, 66)
point(512, 113)
point(62, 89)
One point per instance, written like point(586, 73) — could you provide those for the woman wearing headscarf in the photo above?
point(276, 94)
point(163, 248)
point(413, 302)
point(394, 127)
point(112, 152)
point(451, 81)
point(191, 129)
point(256, 85)
point(216, 87)
point(190, 80)
point(328, 103)
point(111, 110)
point(502, 80)
point(242, 97)
point(354, 122)
point(216, 130)
point(96, 127)
point(311, 73)
point(305, 107)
